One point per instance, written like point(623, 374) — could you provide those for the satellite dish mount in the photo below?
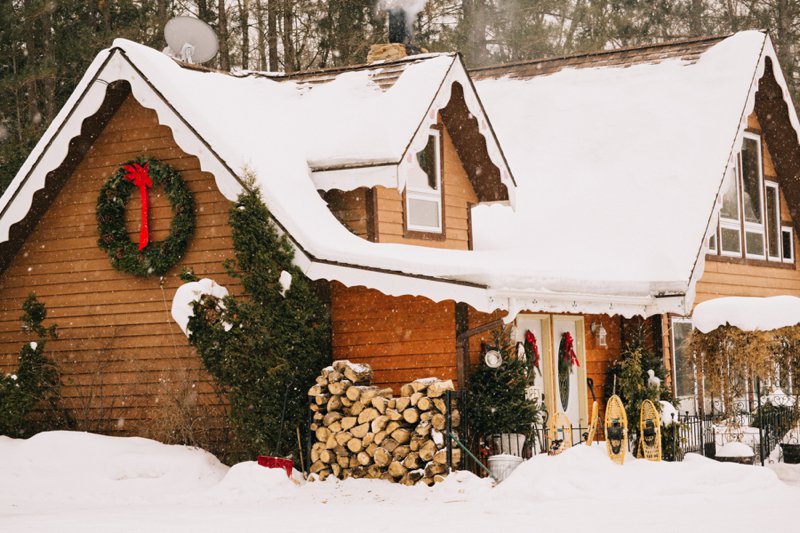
point(190, 40)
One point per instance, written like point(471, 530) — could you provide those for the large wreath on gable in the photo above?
point(144, 258)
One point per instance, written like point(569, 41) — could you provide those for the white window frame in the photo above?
point(768, 184)
point(731, 223)
point(753, 227)
point(790, 230)
point(679, 320)
point(714, 250)
point(426, 194)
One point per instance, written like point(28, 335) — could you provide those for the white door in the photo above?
point(570, 380)
point(539, 326)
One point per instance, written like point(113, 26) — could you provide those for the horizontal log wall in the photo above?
point(127, 368)
point(402, 338)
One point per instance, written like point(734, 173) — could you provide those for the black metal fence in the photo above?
point(764, 424)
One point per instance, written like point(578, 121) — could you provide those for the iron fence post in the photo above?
point(760, 421)
point(448, 398)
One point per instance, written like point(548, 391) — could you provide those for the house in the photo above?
point(430, 203)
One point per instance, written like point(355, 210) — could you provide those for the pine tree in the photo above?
point(266, 348)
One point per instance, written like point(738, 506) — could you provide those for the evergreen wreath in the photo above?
point(156, 258)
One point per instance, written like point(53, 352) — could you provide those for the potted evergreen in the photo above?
point(501, 414)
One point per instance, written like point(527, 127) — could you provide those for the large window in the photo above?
point(750, 212)
point(682, 362)
point(752, 196)
point(424, 190)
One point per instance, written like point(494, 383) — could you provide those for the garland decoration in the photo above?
point(531, 350)
point(566, 360)
point(144, 258)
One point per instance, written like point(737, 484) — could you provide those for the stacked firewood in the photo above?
point(364, 431)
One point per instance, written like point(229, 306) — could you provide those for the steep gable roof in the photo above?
point(620, 155)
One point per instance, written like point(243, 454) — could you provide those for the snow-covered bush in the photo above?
point(36, 383)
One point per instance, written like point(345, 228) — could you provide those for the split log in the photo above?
point(401, 435)
point(432, 469)
point(342, 437)
point(363, 458)
point(331, 442)
point(455, 418)
point(348, 422)
point(353, 393)
point(343, 461)
point(411, 461)
point(390, 444)
point(411, 415)
point(415, 398)
point(316, 390)
point(423, 429)
point(317, 467)
point(382, 457)
point(368, 438)
point(427, 450)
point(355, 409)
point(326, 456)
point(439, 421)
point(330, 418)
point(391, 426)
point(360, 431)
point(322, 399)
point(354, 445)
point(322, 434)
point(379, 423)
point(379, 436)
point(336, 469)
point(358, 373)
point(424, 404)
point(316, 449)
point(379, 403)
point(367, 415)
point(393, 414)
point(374, 471)
point(337, 388)
point(436, 390)
point(396, 469)
point(440, 405)
point(401, 404)
point(406, 390)
point(336, 427)
point(370, 448)
point(401, 452)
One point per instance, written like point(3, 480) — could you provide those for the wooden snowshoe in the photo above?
point(595, 418)
point(616, 427)
point(649, 432)
point(560, 434)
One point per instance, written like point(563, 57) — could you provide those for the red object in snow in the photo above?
point(277, 462)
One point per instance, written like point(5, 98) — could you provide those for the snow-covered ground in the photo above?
point(77, 482)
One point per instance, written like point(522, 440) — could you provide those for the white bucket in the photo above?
point(502, 465)
point(509, 443)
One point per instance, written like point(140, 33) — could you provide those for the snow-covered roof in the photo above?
point(619, 156)
point(747, 313)
point(593, 206)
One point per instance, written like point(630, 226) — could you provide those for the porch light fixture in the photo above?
point(600, 334)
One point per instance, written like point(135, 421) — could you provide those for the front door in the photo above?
point(569, 377)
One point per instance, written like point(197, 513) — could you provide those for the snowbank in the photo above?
point(78, 482)
point(669, 414)
point(747, 313)
point(735, 449)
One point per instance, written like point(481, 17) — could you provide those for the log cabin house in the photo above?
point(570, 195)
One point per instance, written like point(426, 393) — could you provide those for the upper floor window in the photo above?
point(749, 217)
point(424, 189)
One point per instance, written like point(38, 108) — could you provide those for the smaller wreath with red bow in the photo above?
point(144, 258)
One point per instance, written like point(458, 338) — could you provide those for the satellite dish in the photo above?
point(191, 40)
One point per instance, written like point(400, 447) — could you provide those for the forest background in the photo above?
point(46, 45)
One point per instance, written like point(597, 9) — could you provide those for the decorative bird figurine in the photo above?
point(653, 381)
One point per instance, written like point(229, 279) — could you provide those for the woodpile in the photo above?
point(364, 431)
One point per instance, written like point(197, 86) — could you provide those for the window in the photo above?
point(712, 243)
point(787, 238)
point(752, 196)
point(424, 189)
point(773, 221)
point(729, 221)
point(684, 381)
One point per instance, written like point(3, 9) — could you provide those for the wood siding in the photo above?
point(722, 277)
point(458, 197)
point(127, 368)
point(350, 208)
point(403, 338)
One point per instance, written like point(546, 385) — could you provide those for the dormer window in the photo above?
point(424, 189)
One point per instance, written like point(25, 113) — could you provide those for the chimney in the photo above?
point(399, 45)
point(398, 33)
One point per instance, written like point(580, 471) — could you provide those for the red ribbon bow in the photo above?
point(530, 344)
point(569, 350)
point(141, 178)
